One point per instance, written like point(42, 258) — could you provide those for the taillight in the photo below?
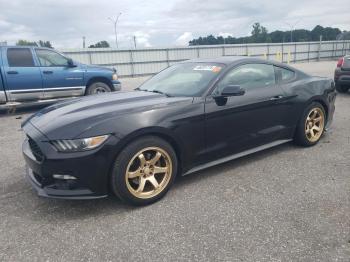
point(340, 62)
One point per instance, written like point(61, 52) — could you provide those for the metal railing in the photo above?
point(139, 62)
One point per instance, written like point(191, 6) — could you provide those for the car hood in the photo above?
point(70, 119)
point(96, 68)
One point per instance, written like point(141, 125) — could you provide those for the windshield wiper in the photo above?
point(153, 91)
point(160, 92)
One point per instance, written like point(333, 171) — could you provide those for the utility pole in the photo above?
point(134, 41)
point(83, 41)
point(292, 28)
point(319, 49)
point(115, 22)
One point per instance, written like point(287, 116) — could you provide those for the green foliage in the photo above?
point(344, 36)
point(260, 34)
point(101, 44)
point(22, 42)
point(41, 43)
point(45, 44)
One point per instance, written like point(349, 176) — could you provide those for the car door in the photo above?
point(238, 123)
point(60, 79)
point(22, 76)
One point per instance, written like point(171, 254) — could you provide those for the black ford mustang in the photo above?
point(190, 116)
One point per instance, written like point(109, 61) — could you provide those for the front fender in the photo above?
point(167, 134)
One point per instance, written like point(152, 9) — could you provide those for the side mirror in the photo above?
point(70, 63)
point(232, 90)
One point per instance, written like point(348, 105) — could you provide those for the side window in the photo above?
point(50, 58)
point(249, 76)
point(285, 74)
point(20, 57)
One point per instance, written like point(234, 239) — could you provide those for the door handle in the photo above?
point(12, 72)
point(47, 72)
point(274, 98)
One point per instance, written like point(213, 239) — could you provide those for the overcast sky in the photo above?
point(159, 22)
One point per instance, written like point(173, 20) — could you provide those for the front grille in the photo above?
point(35, 149)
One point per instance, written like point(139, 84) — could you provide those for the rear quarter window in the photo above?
point(20, 57)
point(285, 74)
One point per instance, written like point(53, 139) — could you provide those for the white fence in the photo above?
point(137, 62)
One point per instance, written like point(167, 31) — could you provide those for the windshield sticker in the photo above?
point(214, 69)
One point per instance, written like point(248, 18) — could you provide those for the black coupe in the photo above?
point(190, 116)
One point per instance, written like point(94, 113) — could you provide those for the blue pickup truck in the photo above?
point(39, 75)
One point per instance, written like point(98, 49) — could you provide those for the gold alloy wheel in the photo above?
point(148, 172)
point(314, 124)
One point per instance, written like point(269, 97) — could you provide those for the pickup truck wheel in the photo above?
point(97, 88)
point(341, 88)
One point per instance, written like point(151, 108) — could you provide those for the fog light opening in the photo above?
point(64, 177)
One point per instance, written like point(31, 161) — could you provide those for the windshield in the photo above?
point(186, 79)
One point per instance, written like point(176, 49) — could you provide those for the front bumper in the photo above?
point(90, 169)
point(344, 80)
point(117, 85)
point(52, 191)
point(342, 76)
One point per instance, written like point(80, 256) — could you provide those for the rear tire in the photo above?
point(311, 125)
point(98, 88)
point(144, 171)
point(341, 88)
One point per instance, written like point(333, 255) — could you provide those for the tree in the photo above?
point(327, 33)
point(316, 33)
point(277, 36)
point(264, 35)
point(301, 35)
point(22, 42)
point(40, 43)
point(344, 36)
point(260, 34)
point(101, 44)
point(331, 33)
point(45, 44)
point(256, 31)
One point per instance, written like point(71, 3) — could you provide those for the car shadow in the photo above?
point(221, 169)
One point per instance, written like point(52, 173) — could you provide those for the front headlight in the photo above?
point(115, 76)
point(76, 145)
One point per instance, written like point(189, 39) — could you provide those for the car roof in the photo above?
point(23, 46)
point(227, 60)
point(233, 60)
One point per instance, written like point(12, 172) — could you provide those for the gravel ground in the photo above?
point(282, 204)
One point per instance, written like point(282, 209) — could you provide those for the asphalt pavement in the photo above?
point(283, 204)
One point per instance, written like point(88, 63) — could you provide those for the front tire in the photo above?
point(98, 88)
point(144, 171)
point(311, 125)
